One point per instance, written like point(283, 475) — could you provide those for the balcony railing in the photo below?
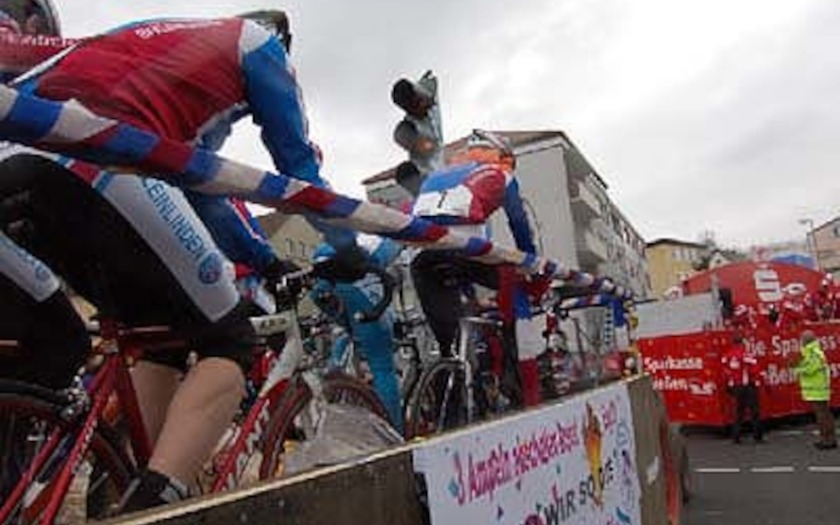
point(585, 205)
point(591, 249)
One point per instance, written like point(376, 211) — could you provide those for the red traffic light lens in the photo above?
point(424, 145)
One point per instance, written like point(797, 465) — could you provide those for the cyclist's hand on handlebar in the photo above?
point(536, 285)
point(286, 281)
point(278, 268)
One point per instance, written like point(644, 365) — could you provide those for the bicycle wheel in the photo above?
point(27, 419)
point(296, 418)
point(344, 389)
point(284, 428)
point(439, 402)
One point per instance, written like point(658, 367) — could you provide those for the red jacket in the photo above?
point(740, 367)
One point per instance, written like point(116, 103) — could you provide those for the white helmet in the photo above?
point(481, 139)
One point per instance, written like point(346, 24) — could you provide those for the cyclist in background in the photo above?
point(187, 80)
point(374, 338)
point(463, 196)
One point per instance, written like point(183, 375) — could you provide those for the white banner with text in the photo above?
point(569, 463)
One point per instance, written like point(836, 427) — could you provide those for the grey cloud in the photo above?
point(753, 129)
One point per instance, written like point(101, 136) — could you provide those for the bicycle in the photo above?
point(51, 439)
point(457, 390)
point(478, 380)
point(413, 349)
point(465, 385)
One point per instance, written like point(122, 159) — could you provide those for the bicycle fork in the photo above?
point(465, 364)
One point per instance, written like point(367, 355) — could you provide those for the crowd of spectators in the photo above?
point(797, 307)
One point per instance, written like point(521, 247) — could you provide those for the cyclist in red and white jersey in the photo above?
point(463, 196)
point(187, 80)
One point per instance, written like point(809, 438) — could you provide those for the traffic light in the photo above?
point(419, 133)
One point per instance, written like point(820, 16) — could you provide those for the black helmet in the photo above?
point(23, 11)
point(275, 21)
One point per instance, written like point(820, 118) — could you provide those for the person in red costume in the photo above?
point(740, 370)
point(744, 318)
point(793, 312)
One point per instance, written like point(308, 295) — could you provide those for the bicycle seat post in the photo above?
point(464, 334)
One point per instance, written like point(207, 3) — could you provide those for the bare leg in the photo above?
point(155, 385)
point(200, 412)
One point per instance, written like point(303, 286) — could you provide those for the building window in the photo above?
point(290, 248)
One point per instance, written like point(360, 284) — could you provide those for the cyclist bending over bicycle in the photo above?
point(186, 80)
point(463, 196)
point(375, 337)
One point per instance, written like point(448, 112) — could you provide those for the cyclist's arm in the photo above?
point(275, 101)
point(234, 229)
point(518, 219)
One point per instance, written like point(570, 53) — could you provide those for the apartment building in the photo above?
point(292, 237)
point(671, 261)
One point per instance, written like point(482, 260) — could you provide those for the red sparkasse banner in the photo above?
point(686, 369)
point(755, 283)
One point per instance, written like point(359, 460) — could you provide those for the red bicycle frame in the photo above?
point(120, 347)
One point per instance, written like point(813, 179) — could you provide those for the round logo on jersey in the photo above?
point(210, 269)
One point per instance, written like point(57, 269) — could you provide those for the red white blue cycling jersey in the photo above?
point(468, 194)
point(190, 80)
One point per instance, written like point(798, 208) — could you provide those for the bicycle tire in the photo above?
point(281, 427)
point(337, 388)
point(424, 416)
point(21, 409)
point(345, 389)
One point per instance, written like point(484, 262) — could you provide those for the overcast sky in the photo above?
point(714, 115)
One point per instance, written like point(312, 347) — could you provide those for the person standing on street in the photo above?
point(812, 369)
point(740, 367)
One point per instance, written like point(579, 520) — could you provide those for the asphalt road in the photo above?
point(785, 481)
